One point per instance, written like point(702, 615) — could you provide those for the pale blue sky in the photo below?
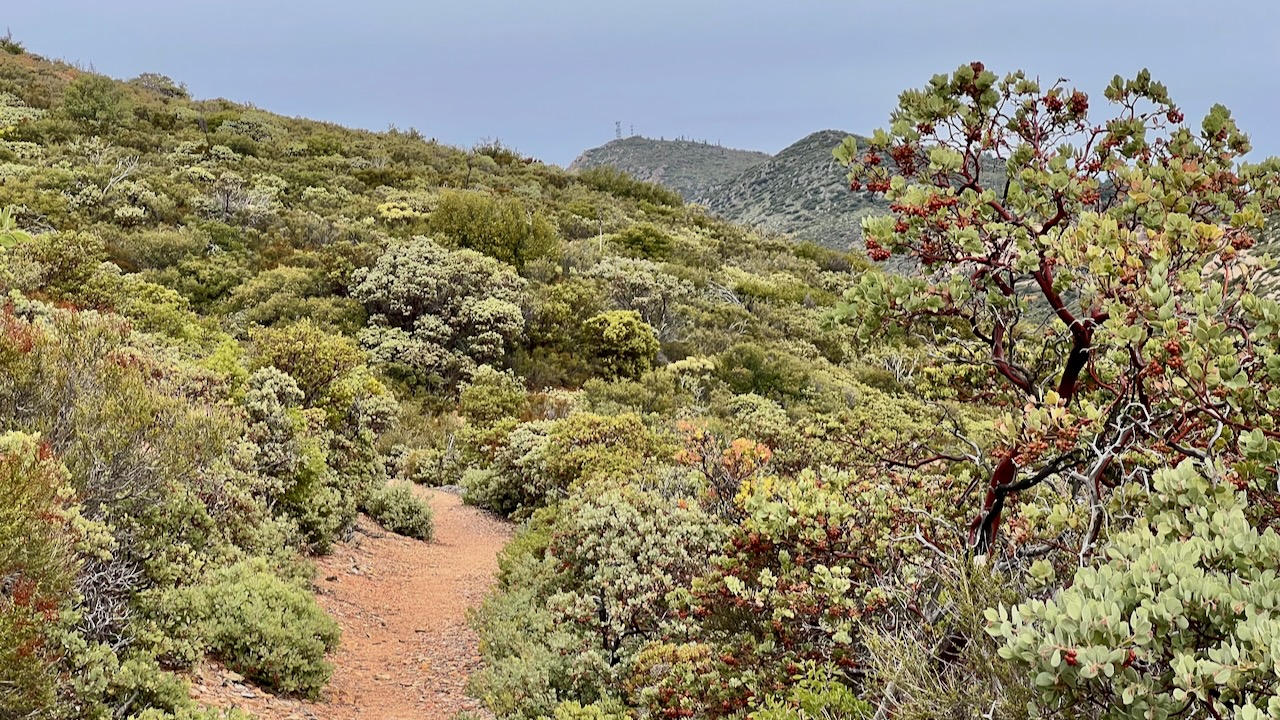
point(550, 77)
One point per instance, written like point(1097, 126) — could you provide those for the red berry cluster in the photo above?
point(1242, 241)
point(875, 251)
point(970, 88)
point(879, 185)
point(906, 157)
point(931, 206)
point(1078, 103)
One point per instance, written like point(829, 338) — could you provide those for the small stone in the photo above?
point(234, 677)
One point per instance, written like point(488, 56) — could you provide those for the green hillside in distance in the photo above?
point(697, 170)
point(800, 192)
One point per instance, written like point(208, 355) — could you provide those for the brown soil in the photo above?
point(406, 649)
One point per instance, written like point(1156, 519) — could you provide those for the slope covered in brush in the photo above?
point(225, 330)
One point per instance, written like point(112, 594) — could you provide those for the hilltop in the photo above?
point(801, 191)
point(696, 170)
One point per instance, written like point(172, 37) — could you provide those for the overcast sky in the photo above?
point(550, 77)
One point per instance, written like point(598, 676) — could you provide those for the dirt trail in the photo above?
point(406, 649)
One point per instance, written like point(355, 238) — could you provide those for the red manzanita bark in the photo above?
point(1168, 197)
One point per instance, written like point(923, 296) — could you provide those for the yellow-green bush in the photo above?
point(314, 358)
point(620, 344)
point(646, 241)
point(267, 629)
point(397, 509)
point(490, 396)
point(768, 372)
point(97, 101)
point(502, 228)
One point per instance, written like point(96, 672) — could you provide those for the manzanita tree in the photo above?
point(1103, 270)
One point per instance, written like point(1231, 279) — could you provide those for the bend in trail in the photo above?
point(406, 649)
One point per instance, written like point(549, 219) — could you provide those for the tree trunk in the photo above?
point(982, 532)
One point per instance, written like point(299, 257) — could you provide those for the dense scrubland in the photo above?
point(753, 478)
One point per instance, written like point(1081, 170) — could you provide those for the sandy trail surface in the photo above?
point(406, 649)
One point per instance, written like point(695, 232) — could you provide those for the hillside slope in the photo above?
point(227, 331)
point(802, 192)
point(696, 170)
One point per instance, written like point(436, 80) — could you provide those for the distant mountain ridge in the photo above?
point(801, 191)
point(696, 170)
